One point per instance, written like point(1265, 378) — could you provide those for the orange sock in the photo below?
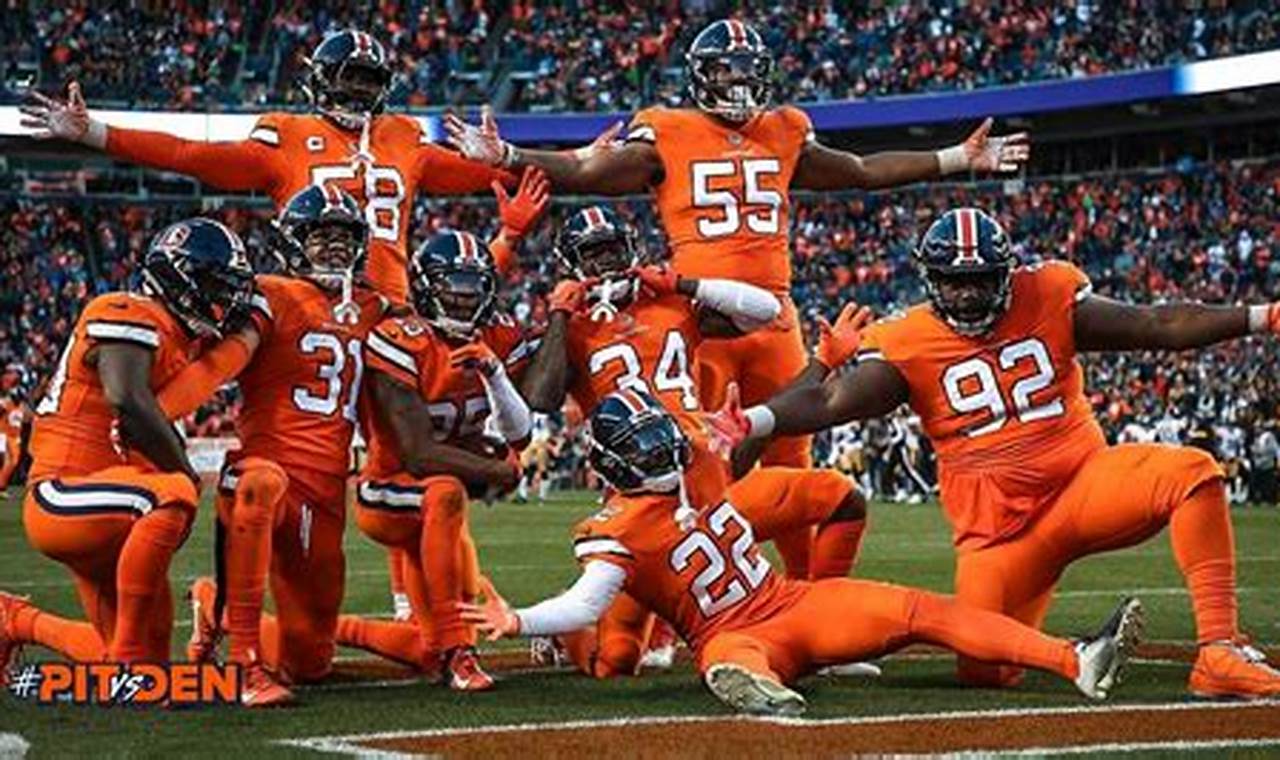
point(1204, 546)
point(580, 646)
point(269, 641)
point(988, 636)
point(444, 507)
point(74, 639)
point(258, 505)
point(395, 569)
point(160, 638)
point(835, 548)
point(399, 641)
point(794, 547)
point(470, 565)
point(142, 581)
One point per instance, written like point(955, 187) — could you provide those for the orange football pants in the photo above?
point(1120, 496)
point(426, 520)
point(845, 620)
point(116, 530)
point(285, 529)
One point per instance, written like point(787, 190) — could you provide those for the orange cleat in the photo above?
point(1233, 669)
point(260, 689)
point(9, 646)
point(206, 634)
point(462, 670)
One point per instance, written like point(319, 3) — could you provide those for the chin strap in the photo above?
point(347, 312)
point(363, 154)
point(686, 515)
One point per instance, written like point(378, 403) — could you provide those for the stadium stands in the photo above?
point(587, 56)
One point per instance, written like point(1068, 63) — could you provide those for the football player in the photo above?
point(112, 494)
point(1027, 480)
point(14, 415)
point(348, 140)
point(695, 563)
point(437, 380)
point(282, 495)
point(721, 173)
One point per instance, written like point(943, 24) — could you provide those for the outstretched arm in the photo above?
point(597, 168)
point(244, 165)
point(125, 372)
point(1102, 324)
point(579, 606)
point(187, 390)
point(823, 168)
point(872, 389)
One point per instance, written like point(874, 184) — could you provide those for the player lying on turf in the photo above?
point(282, 496)
point(437, 379)
point(721, 173)
point(693, 560)
point(617, 324)
point(112, 495)
point(1027, 479)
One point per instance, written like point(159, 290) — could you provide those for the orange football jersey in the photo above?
point(703, 581)
point(409, 351)
point(72, 429)
point(302, 387)
point(724, 197)
point(286, 152)
point(1006, 411)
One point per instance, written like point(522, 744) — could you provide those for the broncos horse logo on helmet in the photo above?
point(454, 283)
point(322, 235)
point(967, 266)
point(347, 78)
point(730, 71)
point(199, 270)
point(598, 244)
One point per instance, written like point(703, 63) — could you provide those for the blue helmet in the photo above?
point(347, 78)
point(453, 283)
point(199, 270)
point(730, 70)
point(636, 445)
point(967, 265)
point(312, 208)
point(596, 242)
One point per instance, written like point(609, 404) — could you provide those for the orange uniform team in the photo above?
point(354, 333)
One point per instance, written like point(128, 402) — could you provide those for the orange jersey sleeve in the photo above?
point(724, 196)
point(650, 346)
point(442, 171)
point(251, 164)
point(73, 420)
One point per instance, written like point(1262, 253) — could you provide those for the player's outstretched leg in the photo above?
point(445, 559)
point(738, 671)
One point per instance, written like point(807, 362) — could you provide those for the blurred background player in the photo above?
point(535, 461)
point(437, 381)
point(1028, 481)
point(687, 554)
point(112, 495)
point(721, 175)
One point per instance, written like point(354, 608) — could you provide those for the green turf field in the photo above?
point(525, 549)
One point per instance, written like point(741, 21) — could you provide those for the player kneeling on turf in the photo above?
point(752, 631)
point(112, 495)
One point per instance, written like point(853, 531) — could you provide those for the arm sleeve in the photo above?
point(578, 607)
point(187, 390)
point(446, 172)
point(747, 306)
point(117, 318)
point(511, 417)
point(244, 165)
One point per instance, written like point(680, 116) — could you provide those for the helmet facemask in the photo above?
point(348, 92)
point(209, 302)
point(458, 301)
point(607, 257)
point(970, 299)
point(647, 456)
point(732, 85)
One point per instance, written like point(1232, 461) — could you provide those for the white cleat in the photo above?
point(1102, 657)
point(546, 652)
point(752, 693)
point(852, 670)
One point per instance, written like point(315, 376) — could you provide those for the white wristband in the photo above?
point(95, 136)
point(510, 155)
point(1258, 318)
point(952, 160)
point(762, 421)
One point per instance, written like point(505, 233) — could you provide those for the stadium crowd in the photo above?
point(587, 55)
point(1207, 232)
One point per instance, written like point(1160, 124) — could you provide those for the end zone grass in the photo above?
point(526, 550)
